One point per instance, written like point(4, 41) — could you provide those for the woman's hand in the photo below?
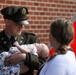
point(15, 58)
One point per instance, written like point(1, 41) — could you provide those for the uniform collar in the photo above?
point(9, 36)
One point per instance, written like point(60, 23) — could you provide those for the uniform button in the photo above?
point(2, 38)
point(5, 42)
point(20, 41)
point(22, 38)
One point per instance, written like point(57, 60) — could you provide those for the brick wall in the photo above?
point(41, 14)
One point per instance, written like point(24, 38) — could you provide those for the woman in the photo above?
point(62, 61)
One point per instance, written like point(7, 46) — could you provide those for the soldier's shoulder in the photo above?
point(1, 33)
point(28, 33)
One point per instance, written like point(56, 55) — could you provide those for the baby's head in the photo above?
point(42, 50)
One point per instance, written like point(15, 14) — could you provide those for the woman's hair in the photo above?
point(62, 30)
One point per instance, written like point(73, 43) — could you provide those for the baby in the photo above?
point(39, 49)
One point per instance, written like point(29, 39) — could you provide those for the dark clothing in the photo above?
point(32, 61)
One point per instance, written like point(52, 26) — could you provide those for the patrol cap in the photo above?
point(16, 14)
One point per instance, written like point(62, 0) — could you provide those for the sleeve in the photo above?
point(31, 38)
point(13, 49)
point(33, 61)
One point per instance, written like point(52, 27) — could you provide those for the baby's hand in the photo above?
point(16, 43)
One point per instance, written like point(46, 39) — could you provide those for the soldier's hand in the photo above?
point(15, 58)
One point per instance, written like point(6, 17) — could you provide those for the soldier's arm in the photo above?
point(33, 61)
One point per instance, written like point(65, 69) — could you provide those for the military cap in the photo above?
point(16, 14)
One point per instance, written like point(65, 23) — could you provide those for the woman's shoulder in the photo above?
point(69, 57)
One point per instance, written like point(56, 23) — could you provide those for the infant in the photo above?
point(39, 49)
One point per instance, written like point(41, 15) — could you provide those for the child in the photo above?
point(39, 49)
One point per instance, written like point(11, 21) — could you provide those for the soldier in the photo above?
point(15, 18)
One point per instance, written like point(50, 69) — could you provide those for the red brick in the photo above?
point(41, 14)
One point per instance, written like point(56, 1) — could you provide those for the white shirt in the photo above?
point(60, 65)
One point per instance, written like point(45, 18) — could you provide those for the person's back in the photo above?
point(61, 65)
point(71, 63)
point(65, 64)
